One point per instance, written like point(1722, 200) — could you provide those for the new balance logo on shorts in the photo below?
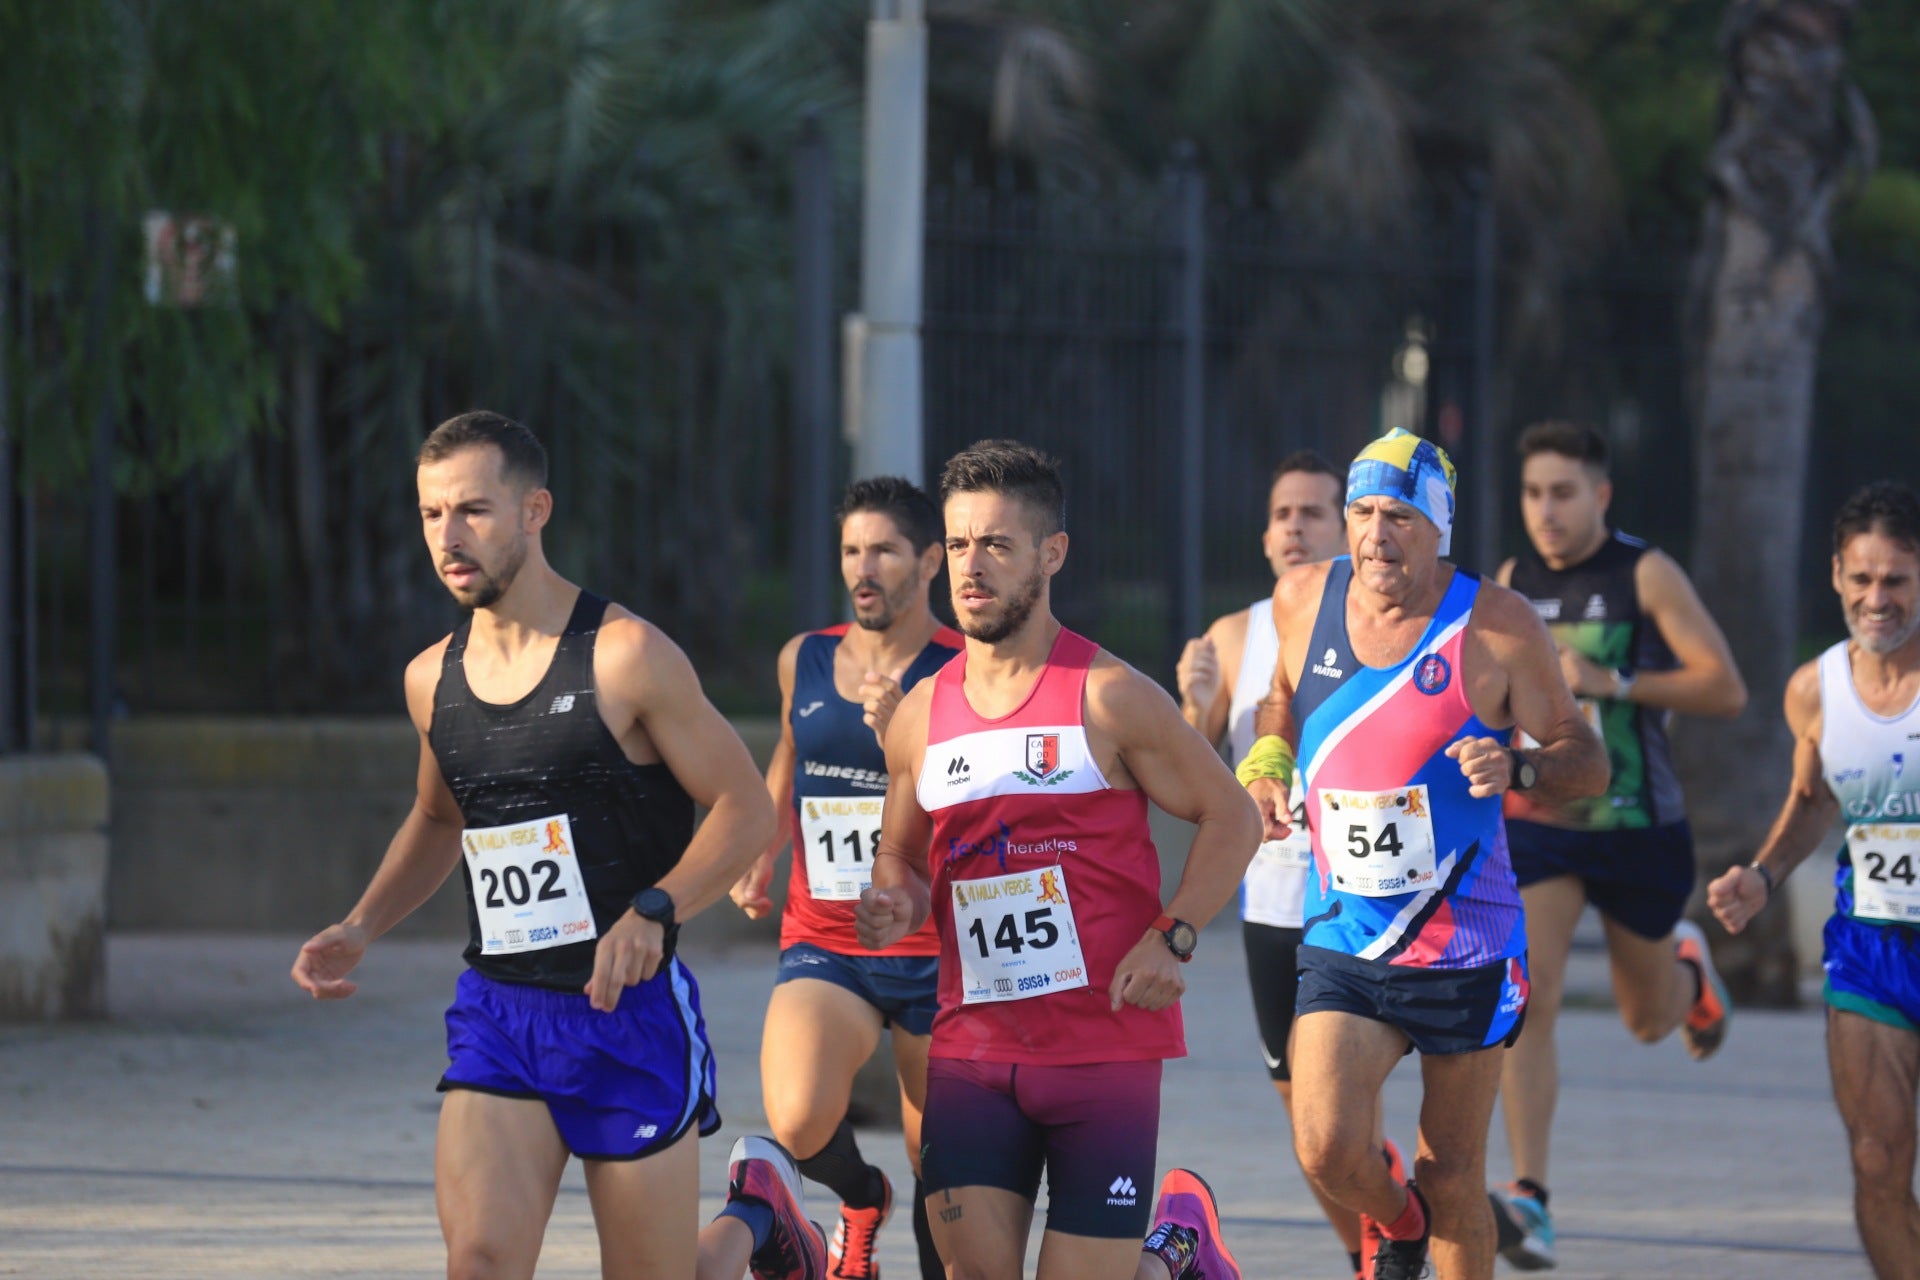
point(561, 705)
point(646, 1131)
point(1122, 1192)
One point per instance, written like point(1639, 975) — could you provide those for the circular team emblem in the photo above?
point(1432, 675)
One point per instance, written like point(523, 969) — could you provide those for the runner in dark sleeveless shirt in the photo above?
point(564, 743)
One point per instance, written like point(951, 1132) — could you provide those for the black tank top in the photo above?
point(1594, 608)
point(547, 754)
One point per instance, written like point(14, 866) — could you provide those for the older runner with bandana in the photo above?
point(1399, 681)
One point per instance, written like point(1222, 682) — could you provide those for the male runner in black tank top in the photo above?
point(1635, 646)
point(564, 742)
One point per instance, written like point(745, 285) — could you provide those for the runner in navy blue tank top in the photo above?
point(833, 997)
point(564, 743)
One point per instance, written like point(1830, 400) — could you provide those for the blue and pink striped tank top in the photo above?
point(1411, 869)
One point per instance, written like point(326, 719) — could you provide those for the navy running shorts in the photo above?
point(905, 989)
point(1873, 970)
point(619, 1085)
point(1273, 974)
point(1638, 877)
point(1442, 1011)
point(1094, 1129)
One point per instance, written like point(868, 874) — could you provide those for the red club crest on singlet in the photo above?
point(1043, 753)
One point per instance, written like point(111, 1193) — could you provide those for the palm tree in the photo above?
point(1792, 133)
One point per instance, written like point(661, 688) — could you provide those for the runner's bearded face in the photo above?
point(1878, 579)
point(880, 569)
point(997, 562)
point(474, 520)
point(1563, 503)
point(1303, 520)
point(1392, 544)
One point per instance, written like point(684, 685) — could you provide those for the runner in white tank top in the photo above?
point(1855, 716)
point(1223, 675)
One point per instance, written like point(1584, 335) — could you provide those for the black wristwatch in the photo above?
point(1524, 774)
point(655, 904)
point(1181, 937)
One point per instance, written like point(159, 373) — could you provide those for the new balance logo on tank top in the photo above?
point(550, 802)
point(1872, 765)
point(839, 782)
point(1410, 869)
point(1594, 609)
point(1044, 877)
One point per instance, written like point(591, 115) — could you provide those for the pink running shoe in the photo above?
point(760, 1170)
point(1186, 1232)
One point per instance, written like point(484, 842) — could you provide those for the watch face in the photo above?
point(1528, 775)
point(1183, 938)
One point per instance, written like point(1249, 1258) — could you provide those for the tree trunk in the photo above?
point(1756, 307)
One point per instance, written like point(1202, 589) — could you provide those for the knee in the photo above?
point(804, 1136)
point(1328, 1158)
point(1450, 1186)
point(474, 1260)
point(1881, 1168)
point(1642, 1027)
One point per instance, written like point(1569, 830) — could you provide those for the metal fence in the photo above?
point(1168, 347)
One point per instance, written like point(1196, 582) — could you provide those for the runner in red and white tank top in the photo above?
point(1046, 877)
point(1016, 817)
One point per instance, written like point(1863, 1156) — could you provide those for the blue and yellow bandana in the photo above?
point(1413, 470)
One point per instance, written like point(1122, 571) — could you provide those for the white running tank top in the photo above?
point(1872, 764)
point(1275, 888)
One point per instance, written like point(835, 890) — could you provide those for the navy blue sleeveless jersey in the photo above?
point(838, 762)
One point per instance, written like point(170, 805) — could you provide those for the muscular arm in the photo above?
point(1506, 633)
point(1804, 819)
point(1211, 665)
point(750, 892)
point(638, 669)
point(1296, 602)
point(901, 896)
point(1706, 683)
point(1181, 773)
point(418, 859)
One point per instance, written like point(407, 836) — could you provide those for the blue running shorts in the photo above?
point(619, 1085)
point(1442, 1011)
point(1873, 970)
point(905, 989)
point(1638, 877)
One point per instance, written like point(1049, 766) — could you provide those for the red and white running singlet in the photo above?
point(1044, 877)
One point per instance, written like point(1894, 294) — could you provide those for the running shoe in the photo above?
point(1706, 1024)
point(1186, 1233)
point(850, 1252)
point(1405, 1259)
point(760, 1170)
point(1371, 1237)
point(1523, 1227)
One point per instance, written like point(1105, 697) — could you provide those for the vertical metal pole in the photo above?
point(813, 415)
point(100, 525)
point(1487, 499)
point(9, 550)
point(893, 241)
point(1191, 193)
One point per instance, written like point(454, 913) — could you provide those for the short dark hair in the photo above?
point(1309, 461)
point(1568, 439)
point(1014, 470)
point(901, 501)
point(1885, 506)
point(522, 457)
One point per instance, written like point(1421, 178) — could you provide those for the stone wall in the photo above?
point(53, 879)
